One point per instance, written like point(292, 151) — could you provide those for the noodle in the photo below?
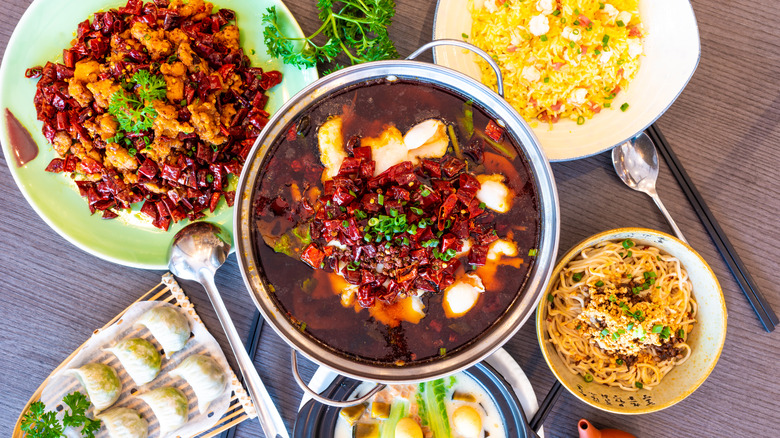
point(619, 314)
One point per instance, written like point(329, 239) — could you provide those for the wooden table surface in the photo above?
point(725, 128)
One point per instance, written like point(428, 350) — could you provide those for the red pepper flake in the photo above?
point(494, 131)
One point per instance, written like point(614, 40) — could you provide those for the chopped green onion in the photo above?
point(345, 224)
point(580, 120)
point(132, 151)
point(599, 283)
point(657, 328)
point(605, 41)
point(666, 333)
point(550, 298)
point(571, 43)
point(577, 276)
point(620, 23)
point(601, 5)
point(482, 206)
point(588, 378)
point(629, 254)
point(628, 243)
point(607, 105)
point(631, 326)
point(210, 178)
point(557, 12)
point(543, 38)
point(604, 332)
point(425, 192)
point(619, 361)
point(681, 333)
point(624, 107)
point(430, 243)
point(393, 213)
point(359, 214)
point(597, 51)
point(373, 222)
point(576, 22)
point(417, 211)
point(442, 351)
point(579, 326)
point(380, 199)
point(546, 79)
point(532, 252)
point(612, 298)
point(465, 36)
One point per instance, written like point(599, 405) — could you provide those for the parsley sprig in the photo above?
point(356, 28)
point(133, 109)
point(38, 423)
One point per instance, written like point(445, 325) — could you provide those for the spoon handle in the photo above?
point(669, 219)
point(270, 420)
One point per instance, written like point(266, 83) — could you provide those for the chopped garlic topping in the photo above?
point(531, 73)
point(571, 34)
point(539, 25)
point(546, 7)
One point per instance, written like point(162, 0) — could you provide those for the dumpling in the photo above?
point(169, 405)
point(139, 358)
point(124, 423)
point(169, 326)
point(206, 377)
point(101, 382)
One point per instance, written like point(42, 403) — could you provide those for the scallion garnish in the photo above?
point(588, 378)
point(532, 252)
point(577, 276)
point(624, 107)
point(600, 283)
point(628, 243)
point(638, 385)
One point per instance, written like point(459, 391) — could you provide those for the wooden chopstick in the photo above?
point(736, 266)
point(546, 406)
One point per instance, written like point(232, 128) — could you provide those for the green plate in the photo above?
point(46, 28)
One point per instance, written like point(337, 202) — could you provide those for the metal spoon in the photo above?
point(636, 163)
point(197, 252)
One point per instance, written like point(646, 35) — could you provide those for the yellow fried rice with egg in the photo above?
point(559, 58)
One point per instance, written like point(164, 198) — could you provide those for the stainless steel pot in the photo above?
point(483, 97)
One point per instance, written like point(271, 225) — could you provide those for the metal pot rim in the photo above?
point(518, 312)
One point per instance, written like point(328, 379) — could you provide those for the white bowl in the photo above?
point(671, 54)
point(705, 339)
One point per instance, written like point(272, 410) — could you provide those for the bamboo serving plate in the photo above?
point(240, 406)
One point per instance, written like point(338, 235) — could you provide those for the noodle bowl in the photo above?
point(674, 307)
point(619, 314)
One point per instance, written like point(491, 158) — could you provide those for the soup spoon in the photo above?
point(636, 163)
point(197, 252)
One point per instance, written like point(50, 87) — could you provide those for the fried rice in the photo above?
point(559, 58)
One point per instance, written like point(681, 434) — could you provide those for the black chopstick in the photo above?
point(736, 266)
point(546, 406)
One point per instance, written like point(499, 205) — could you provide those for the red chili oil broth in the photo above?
point(306, 295)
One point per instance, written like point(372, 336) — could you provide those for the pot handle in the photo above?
point(325, 400)
point(465, 45)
